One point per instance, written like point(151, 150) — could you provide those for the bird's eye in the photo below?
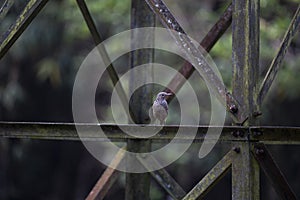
point(163, 95)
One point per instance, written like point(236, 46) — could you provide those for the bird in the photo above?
point(159, 109)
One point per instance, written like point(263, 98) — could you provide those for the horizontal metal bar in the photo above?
point(32, 8)
point(67, 131)
point(211, 178)
point(275, 134)
point(271, 74)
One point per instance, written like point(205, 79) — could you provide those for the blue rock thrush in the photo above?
point(159, 109)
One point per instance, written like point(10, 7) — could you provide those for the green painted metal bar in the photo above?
point(276, 62)
point(168, 21)
point(273, 173)
point(212, 177)
point(163, 178)
point(107, 179)
point(5, 8)
point(110, 68)
point(32, 8)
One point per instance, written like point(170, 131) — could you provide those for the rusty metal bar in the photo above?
point(32, 8)
point(276, 62)
point(212, 177)
point(273, 173)
point(5, 8)
point(107, 179)
point(207, 43)
point(163, 178)
point(195, 55)
point(110, 68)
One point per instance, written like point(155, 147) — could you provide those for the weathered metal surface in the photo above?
point(32, 8)
point(5, 8)
point(212, 177)
point(207, 43)
point(107, 179)
point(275, 135)
point(273, 173)
point(193, 53)
point(245, 58)
point(245, 174)
point(67, 131)
point(163, 178)
point(102, 51)
point(138, 185)
point(276, 62)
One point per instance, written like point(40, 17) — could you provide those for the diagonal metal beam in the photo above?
point(273, 173)
point(5, 8)
point(245, 56)
point(107, 179)
point(195, 55)
point(207, 43)
point(274, 67)
point(32, 8)
point(163, 178)
point(212, 177)
point(110, 68)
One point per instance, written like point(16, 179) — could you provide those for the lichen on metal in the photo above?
point(32, 8)
point(276, 62)
point(5, 8)
point(193, 53)
point(212, 177)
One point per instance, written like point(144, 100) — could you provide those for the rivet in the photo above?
point(259, 151)
point(233, 109)
point(237, 149)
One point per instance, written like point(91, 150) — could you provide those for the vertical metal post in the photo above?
point(138, 185)
point(245, 56)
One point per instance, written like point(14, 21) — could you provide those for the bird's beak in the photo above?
point(169, 94)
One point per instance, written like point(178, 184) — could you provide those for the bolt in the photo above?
point(233, 109)
point(235, 133)
point(143, 155)
point(238, 133)
point(241, 133)
point(257, 133)
point(259, 151)
point(237, 149)
point(257, 113)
